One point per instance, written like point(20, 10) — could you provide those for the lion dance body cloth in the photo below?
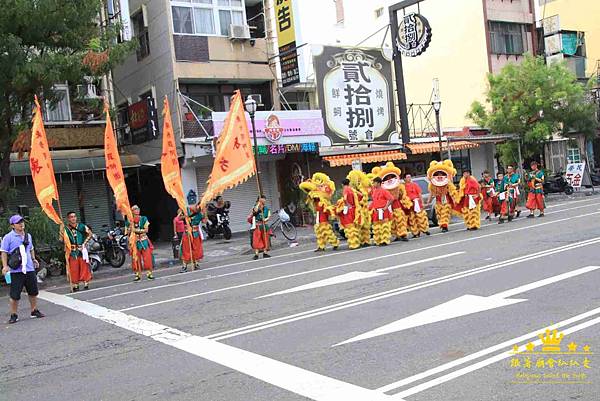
point(350, 209)
point(361, 184)
point(320, 189)
point(440, 175)
point(470, 202)
point(390, 181)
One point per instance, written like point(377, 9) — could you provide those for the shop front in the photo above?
point(286, 140)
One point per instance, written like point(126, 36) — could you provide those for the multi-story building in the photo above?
point(198, 52)
point(569, 33)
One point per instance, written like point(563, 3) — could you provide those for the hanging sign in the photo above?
point(414, 35)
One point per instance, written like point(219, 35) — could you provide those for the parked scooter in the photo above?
point(105, 250)
point(218, 219)
point(557, 184)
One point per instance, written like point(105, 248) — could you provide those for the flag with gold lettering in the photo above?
point(169, 165)
point(234, 161)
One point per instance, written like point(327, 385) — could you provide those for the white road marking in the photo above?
point(465, 305)
point(350, 263)
point(271, 280)
point(356, 275)
point(291, 378)
point(496, 358)
point(390, 293)
point(158, 279)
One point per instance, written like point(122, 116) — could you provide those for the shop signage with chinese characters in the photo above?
point(143, 121)
point(286, 41)
point(355, 94)
point(575, 173)
point(414, 35)
point(312, 147)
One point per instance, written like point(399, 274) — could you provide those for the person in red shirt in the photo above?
point(417, 216)
point(350, 218)
point(470, 201)
point(381, 201)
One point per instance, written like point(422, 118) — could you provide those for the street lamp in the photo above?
point(251, 109)
point(437, 105)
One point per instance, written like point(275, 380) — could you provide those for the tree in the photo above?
point(44, 42)
point(534, 100)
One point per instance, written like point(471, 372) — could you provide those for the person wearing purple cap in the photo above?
point(18, 258)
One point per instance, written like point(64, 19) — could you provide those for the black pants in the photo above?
point(20, 280)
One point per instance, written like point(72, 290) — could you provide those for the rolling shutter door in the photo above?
point(96, 206)
point(243, 197)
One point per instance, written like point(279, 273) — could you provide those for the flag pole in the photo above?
point(62, 228)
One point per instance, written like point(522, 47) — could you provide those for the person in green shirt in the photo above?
point(535, 198)
point(144, 259)
point(79, 267)
point(191, 247)
point(510, 195)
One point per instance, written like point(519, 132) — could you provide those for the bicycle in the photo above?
point(282, 221)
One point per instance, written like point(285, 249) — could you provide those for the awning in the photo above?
point(433, 147)
point(72, 161)
point(373, 157)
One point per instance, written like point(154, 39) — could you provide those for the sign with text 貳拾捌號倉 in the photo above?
point(414, 35)
point(354, 88)
point(286, 42)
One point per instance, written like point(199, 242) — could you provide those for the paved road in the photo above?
point(432, 319)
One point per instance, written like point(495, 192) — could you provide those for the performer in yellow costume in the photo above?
point(352, 209)
point(320, 189)
point(470, 200)
point(440, 175)
point(390, 181)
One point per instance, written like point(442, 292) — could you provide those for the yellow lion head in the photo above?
point(319, 186)
point(359, 180)
point(440, 174)
point(390, 176)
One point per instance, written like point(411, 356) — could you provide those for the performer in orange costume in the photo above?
point(417, 216)
point(469, 191)
point(145, 259)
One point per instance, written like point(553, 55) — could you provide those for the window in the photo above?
point(140, 28)
point(61, 111)
point(508, 38)
point(573, 155)
point(207, 17)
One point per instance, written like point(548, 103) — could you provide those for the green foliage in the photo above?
point(44, 42)
point(534, 101)
point(43, 230)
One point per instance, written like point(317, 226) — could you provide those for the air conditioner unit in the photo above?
point(239, 32)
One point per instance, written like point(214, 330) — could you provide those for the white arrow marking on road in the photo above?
point(354, 276)
point(464, 305)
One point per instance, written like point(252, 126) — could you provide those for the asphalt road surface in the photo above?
point(436, 318)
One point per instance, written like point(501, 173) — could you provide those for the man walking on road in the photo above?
point(144, 259)
point(510, 189)
point(381, 201)
point(79, 268)
point(18, 259)
point(417, 216)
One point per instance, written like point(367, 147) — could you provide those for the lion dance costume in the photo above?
point(320, 189)
point(351, 209)
point(390, 181)
point(470, 202)
point(440, 175)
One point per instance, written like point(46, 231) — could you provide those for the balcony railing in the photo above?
point(421, 120)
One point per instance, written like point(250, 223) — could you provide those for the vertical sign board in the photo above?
point(355, 94)
point(575, 174)
point(125, 20)
point(286, 40)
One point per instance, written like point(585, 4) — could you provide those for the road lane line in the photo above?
point(291, 378)
point(340, 265)
point(398, 291)
point(202, 270)
point(496, 358)
point(273, 279)
point(464, 305)
point(461, 361)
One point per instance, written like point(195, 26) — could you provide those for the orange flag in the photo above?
point(42, 173)
point(116, 179)
point(169, 165)
point(234, 161)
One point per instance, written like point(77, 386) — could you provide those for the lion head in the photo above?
point(440, 174)
point(359, 180)
point(390, 176)
point(318, 187)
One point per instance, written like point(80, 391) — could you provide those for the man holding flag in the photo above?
point(143, 258)
point(191, 242)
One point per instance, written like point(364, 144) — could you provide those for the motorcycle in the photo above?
point(105, 250)
point(217, 222)
point(557, 184)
